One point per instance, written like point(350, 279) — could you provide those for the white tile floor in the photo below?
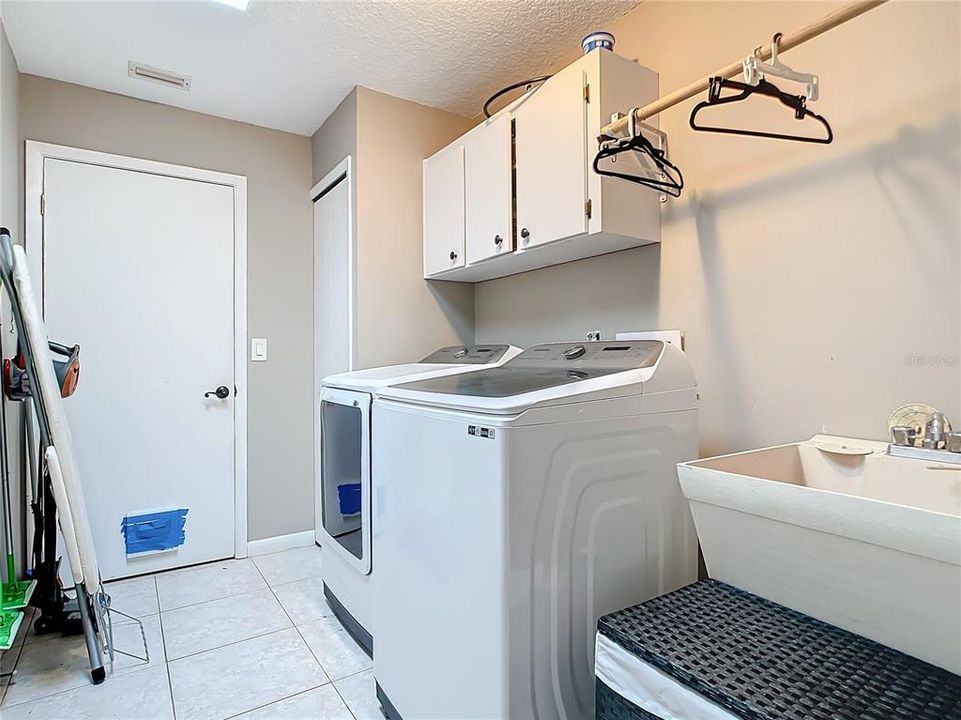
point(251, 639)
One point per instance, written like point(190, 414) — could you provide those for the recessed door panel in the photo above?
point(552, 162)
point(487, 172)
point(444, 211)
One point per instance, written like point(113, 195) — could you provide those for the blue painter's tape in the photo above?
point(348, 498)
point(154, 532)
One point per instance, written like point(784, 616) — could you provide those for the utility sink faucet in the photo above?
point(926, 434)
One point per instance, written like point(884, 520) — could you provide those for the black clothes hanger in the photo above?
point(673, 180)
point(798, 103)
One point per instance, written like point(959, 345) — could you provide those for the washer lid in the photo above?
point(506, 381)
point(453, 359)
point(549, 374)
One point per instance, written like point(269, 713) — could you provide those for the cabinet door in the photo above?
point(444, 210)
point(487, 173)
point(551, 148)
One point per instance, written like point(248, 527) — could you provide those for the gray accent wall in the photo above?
point(336, 138)
point(819, 286)
point(279, 263)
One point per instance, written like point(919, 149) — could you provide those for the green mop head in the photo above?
point(9, 625)
point(16, 594)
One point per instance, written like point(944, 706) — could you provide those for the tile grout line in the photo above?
point(229, 595)
point(167, 660)
point(220, 599)
point(272, 632)
point(230, 644)
point(261, 707)
point(163, 642)
point(309, 649)
point(333, 682)
point(87, 680)
point(16, 661)
point(61, 691)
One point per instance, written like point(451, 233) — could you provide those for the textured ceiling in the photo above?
point(287, 65)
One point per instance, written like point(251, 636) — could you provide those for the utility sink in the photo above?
point(838, 529)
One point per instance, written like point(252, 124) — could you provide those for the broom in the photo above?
point(14, 594)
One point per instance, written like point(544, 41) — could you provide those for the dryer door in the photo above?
point(345, 474)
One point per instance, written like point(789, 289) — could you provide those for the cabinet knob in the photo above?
point(453, 255)
point(498, 239)
point(525, 233)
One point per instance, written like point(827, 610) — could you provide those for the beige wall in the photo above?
point(279, 251)
point(400, 316)
point(818, 286)
point(10, 218)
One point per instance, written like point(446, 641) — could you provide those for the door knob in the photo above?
point(453, 255)
point(222, 392)
point(498, 239)
point(525, 233)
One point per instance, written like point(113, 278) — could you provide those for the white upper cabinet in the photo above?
point(551, 132)
point(488, 195)
point(444, 210)
point(526, 177)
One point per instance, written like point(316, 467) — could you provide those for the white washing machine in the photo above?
point(513, 507)
point(343, 497)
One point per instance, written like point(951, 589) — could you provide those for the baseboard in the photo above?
point(279, 543)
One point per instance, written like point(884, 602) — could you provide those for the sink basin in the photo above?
point(838, 529)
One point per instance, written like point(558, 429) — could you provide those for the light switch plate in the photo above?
point(258, 349)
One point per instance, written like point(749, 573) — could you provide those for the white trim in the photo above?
point(341, 172)
point(37, 152)
point(279, 543)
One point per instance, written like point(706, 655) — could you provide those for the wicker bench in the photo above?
point(711, 651)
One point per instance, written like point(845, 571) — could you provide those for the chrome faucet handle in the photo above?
point(934, 431)
point(904, 435)
point(952, 442)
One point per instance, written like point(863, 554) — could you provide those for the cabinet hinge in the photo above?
point(43, 203)
point(588, 207)
point(587, 93)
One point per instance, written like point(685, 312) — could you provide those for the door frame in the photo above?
point(35, 153)
point(341, 172)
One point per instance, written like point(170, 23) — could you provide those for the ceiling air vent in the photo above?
point(161, 77)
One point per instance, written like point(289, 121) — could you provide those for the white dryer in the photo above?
point(343, 493)
point(513, 507)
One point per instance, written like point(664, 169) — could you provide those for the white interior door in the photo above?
point(332, 286)
point(138, 269)
point(333, 292)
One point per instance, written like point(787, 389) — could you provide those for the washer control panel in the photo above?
point(467, 354)
point(619, 354)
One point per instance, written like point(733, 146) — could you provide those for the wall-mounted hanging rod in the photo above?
point(786, 42)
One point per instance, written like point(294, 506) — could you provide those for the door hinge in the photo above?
point(587, 93)
point(588, 208)
point(43, 203)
